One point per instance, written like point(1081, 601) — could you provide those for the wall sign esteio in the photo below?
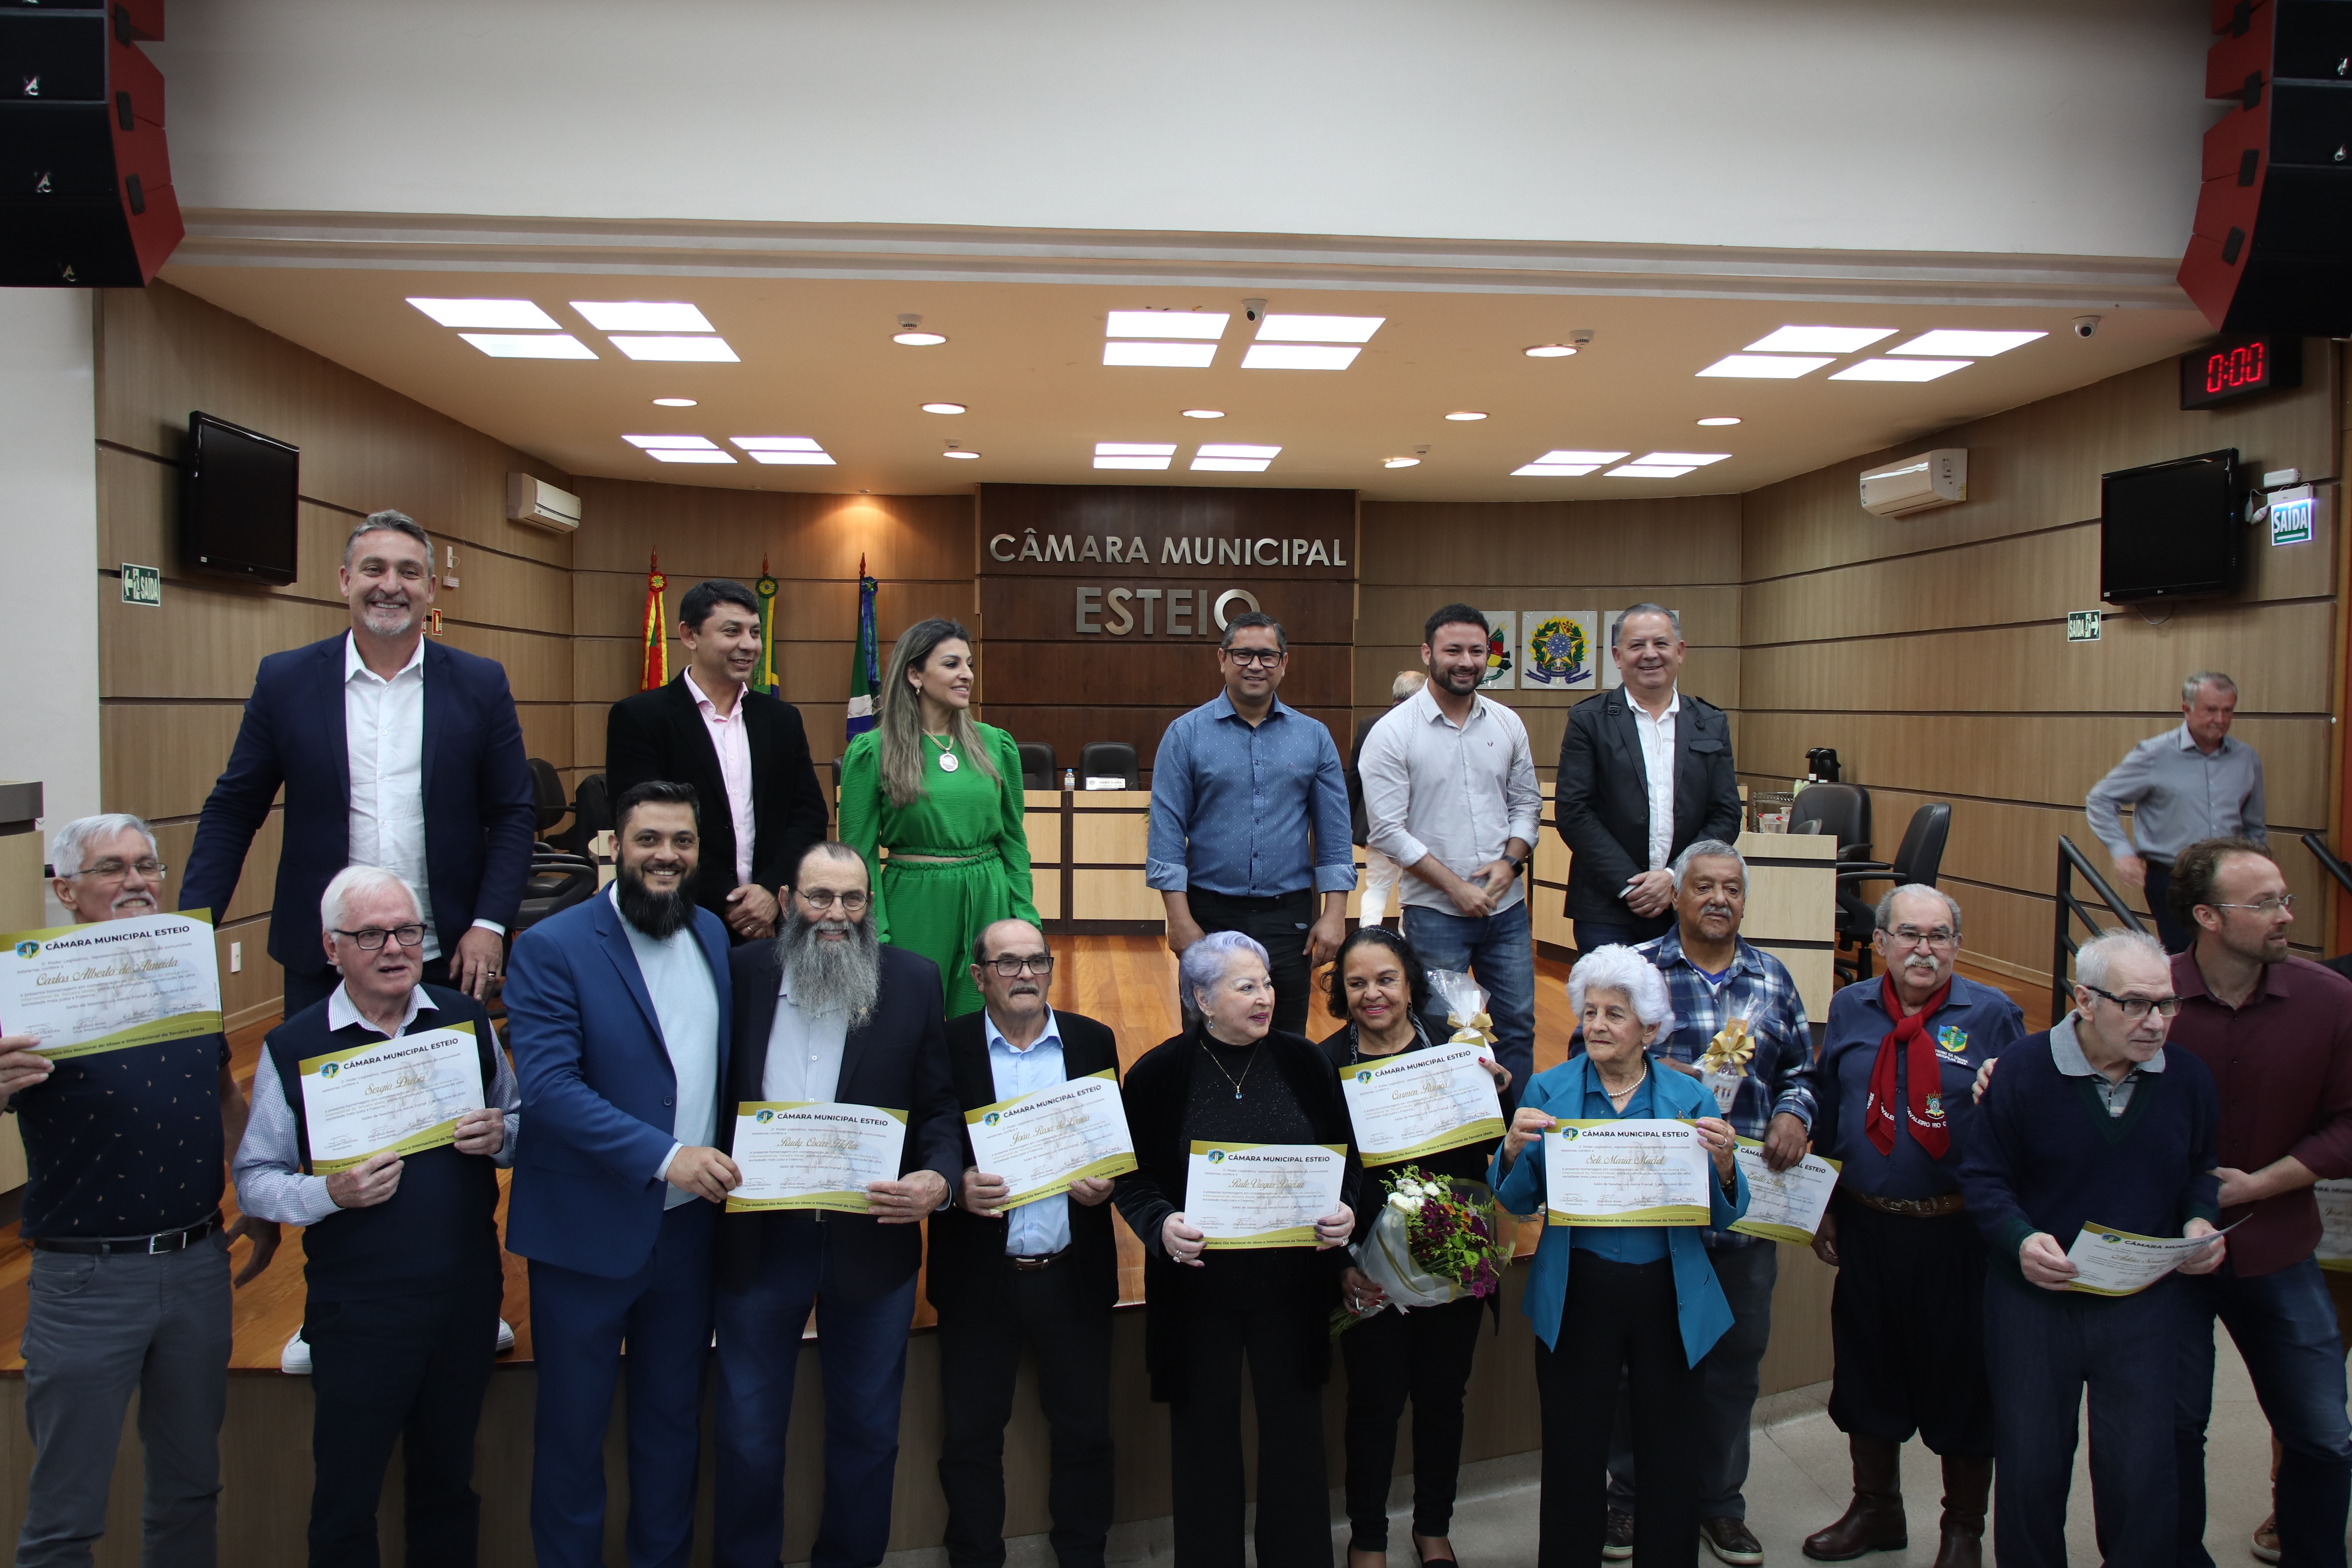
point(1122, 609)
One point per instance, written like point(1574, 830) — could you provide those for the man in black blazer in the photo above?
point(1624, 810)
point(826, 1014)
point(739, 749)
point(1045, 1273)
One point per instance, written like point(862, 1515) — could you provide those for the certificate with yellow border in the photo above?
point(1784, 1205)
point(814, 1154)
point(2111, 1262)
point(1042, 1142)
point(1262, 1194)
point(79, 990)
point(1418, 1103)
point(403, 1095)
point(1640, 1171)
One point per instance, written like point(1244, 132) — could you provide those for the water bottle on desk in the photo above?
point(1069, 778)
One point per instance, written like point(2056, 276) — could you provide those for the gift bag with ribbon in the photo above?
point(1465, 1008)
point(1723, 1064)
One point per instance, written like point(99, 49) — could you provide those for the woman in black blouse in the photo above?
point(1378, 987)
point(1229, 1077)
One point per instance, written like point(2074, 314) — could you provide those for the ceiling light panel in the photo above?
point(958, 452)
point(943, 408)
point(1764, 367)
point(1549, 351)
point(1647, 471)
point(529, 345)
point(684, 456)
point(674, 402)
point(1204, 414)
point(1232, 465)
point(1974, 345)
point(1167, 357)
point(1719, 419)
point(1135, 448)
point(1819, 340)
point(1464, 415)
point(1154, 463)
point(1901, 369)
point(643, 316)
point(517, 314)
point(1595, 458)
point(1319, 329)
point(696, 443)
point(707, 350)
point(1684, 459)
point(1298, 356)
point(794, 459)
point(777, 443)
point(1232, 449)
point(1209, 324)
point(1553, 470)
point(1399, 462)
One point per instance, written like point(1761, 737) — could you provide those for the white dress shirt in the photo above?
point(804, 1050)
point(685, 1002)
point(1041, 1229)
point(733, 744)
point(1657, 737)
point(1461, 793)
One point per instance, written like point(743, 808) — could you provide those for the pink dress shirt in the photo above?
point(733, 744)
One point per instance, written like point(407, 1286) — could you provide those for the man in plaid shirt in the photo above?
point(1716, 977)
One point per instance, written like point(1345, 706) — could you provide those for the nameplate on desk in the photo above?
point(1097, 783)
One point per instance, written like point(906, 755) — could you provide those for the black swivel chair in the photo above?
point(1843, 810)
point(1919, 858)
point(546, 793)
point(1107, 759)
point(1037, 766)
point(592, 812)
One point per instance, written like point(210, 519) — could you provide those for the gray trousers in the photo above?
point(1727, 1380)
point(96, 1328)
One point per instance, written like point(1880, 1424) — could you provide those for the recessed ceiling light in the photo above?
point(1901, 369)
point(1549, 351)
point(1465, 414)
point(707, 350)
point(1298, 356)
point(1976, 345)
point(910, 333)
point(794, 459)
point(1135, 448)
point(698, 443)
point(1399, 462)
point(517, 314)
point(777, 443)
point(1683, 459)
point(1167, 357)
point(1319, 329)
point(1204, 414)
point(1227, 450)
point(1232, 465)
point(673, 403)
point(1819, 340)
point(529, 345)
point(1595, 458)
point(1647, 471)
point(1764, 367)
point(958, 452)
point(1719, 419)
point(1101, 462)
point(692, 456)
point(1210, 324)
point(1553, 470)
point(643, 316)
point(943, 408)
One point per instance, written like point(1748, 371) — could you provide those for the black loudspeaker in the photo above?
point(2271, 250)
point(85, 185)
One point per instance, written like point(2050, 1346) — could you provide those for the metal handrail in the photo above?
point(2062, 946)
point(2328, 862)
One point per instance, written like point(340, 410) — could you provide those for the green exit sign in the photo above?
point(2082, 625)
point(141, 584)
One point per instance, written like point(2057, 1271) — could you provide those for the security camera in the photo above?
point(1253, 310)
point(2085, 325)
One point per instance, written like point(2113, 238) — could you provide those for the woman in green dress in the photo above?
point(942, 794)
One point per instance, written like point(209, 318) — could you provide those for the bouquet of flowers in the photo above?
point(1434, 1242)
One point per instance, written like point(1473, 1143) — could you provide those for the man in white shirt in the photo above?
point(1449, 794)
point(393, 751)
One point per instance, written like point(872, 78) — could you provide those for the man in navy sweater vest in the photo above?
point(2093, 1123)
point(403, 1250)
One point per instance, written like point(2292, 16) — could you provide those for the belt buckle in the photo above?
point(155, 1246)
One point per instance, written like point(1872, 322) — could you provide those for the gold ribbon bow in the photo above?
point(1479, 1031)
point(1731, 1051)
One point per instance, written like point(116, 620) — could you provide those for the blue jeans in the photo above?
point(1498, 952)
point(1593, 934)
point(2285, 1325)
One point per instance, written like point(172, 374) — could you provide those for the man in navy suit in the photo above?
point(618, 1012)
point(394, 752)
point(826, 1013)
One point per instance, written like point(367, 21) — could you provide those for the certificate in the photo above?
point(2334, 1224)
point(1635, 1172)
point(405, 1095)
point(80, 989)
point(814, 1154)
point(1784, 1205)
point(1262, 1194)
point(1042, 1142)
point(1421, 1102)
point(2112, 1262)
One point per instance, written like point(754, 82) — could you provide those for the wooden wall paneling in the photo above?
point(808, 611)
point(1113, 833)
point(200, 642)
point(1394, 615)
point(1115, 894)
point(1025, 672)
point(709, 532)
point(159, 760)
point(1679, 539)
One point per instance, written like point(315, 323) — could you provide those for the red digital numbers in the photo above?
point(2230, 369)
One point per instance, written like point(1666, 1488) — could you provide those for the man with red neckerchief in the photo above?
point(1893, 1103)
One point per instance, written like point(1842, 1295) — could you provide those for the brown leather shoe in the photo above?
point(1731, 1541)
point(1968, 1484)
point(1873, 1522)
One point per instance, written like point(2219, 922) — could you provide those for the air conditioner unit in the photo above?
point(541, 504)
point(1935, 479)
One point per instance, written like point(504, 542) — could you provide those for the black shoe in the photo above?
point(1617, 1545)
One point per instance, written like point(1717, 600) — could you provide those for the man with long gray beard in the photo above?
point(826, 1013)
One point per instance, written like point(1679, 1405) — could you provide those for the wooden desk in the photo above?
point(1086, 849)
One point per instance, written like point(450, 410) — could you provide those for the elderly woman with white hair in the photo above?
point(1232, 1078)
point(1639, 1301)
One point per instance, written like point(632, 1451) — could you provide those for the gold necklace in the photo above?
point(1229, 1078)
point(947, 763)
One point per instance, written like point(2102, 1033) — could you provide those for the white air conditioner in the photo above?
point(541, 504)
point(1935, 479)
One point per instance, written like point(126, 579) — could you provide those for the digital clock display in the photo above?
point(2239, 367)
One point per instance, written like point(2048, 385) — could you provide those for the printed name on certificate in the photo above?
point(400, 1095)
point(83, 989)
point(1042, 1142)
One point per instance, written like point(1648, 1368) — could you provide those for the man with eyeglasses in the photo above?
point(1891, 1101)
point(401, 1251)
point(2191, 782)
point(125, 1151)
point(1249, 820)
point(827, 1012)
point(2276, 1031)
point(1045, 1274)
point(2092, 1124)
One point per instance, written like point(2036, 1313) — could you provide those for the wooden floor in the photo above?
point(1127, 981)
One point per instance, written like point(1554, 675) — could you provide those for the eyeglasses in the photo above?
point(1912, 936)
point(2282, 904)
point(370, 938)
point(825, 898)
point(2139, 1007)
point(1263, 657)
point(1039, 965)
point(115, 871)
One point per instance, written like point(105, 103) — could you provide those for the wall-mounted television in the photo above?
point(2171, 531)
point(238, 502)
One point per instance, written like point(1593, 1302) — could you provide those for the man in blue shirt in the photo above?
point(1715, 980)
point(1893, 1102)
point(1249, 820)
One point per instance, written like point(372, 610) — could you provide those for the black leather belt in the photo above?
point(1031, 1265)
point(1912, 1208)
point(117, 1247)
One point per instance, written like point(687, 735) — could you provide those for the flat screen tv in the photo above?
point(238, 502)
point(2171, 531)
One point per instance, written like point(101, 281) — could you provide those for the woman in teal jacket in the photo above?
point(1637, 1300)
